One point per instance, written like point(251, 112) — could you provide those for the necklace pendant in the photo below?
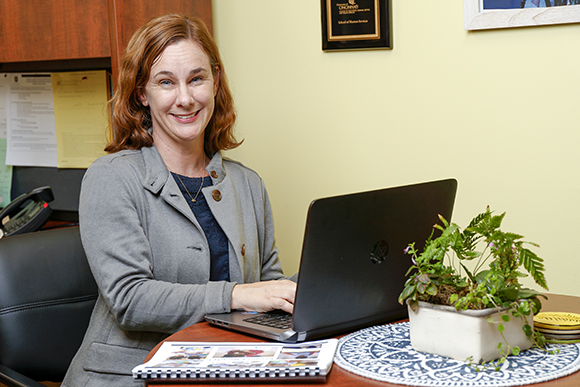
point(193, 200)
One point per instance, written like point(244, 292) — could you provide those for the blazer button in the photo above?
point(216, 195)
point(214, 174)
point(243, 249)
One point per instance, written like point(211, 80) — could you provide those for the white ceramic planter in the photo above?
point(444, 331)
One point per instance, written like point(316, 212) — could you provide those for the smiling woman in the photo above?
point(180, 94)
point(131, 120)
point(172, 230)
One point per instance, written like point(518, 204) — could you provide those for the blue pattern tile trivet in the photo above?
point(384, 353)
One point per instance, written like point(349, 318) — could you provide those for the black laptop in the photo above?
point(353, 266)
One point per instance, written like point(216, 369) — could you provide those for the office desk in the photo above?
point(339, 377)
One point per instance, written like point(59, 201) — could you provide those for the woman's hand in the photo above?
point(264, 296)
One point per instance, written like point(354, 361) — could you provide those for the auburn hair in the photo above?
point(130, 120)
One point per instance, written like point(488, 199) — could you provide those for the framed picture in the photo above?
point(487, 14)
point(356, 24)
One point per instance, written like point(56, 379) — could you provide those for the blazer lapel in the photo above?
point(224, 204)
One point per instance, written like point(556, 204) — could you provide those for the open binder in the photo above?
point(239, 361)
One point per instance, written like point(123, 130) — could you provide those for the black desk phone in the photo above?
point(26, 213)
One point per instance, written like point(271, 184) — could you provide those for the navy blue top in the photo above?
point(218, 242)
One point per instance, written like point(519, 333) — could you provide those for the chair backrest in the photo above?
point(47, 294)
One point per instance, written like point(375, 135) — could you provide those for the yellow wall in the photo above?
point(497, 110)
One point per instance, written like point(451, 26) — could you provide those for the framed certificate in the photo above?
point(485, 14)
point(356, 24)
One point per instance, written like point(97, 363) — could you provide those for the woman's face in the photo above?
point(180, 94)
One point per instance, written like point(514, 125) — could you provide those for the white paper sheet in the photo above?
point(31, 133)
point(3, 102)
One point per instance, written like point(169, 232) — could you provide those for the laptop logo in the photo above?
point(379, 252)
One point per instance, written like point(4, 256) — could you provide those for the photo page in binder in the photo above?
point(238, 361)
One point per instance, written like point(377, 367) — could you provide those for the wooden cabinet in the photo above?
point(80, 30)
point(39, 30)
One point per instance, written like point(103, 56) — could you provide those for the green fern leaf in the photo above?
point(534, 266)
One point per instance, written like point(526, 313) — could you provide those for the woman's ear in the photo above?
point(142, 97)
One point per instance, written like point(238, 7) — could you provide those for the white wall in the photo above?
point(495, 109)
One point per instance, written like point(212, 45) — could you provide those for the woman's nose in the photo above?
point(184, 95)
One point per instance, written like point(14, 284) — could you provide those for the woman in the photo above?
point(171, 229)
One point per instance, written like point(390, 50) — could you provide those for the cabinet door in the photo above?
point(40, 30)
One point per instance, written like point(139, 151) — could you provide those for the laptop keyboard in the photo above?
point(280, 320)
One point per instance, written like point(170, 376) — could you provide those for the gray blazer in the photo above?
point(151, 259)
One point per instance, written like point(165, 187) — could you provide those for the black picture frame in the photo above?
point(356, 24)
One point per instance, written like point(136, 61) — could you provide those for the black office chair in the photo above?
point(47, 294)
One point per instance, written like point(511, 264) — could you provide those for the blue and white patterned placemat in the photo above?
point(384, 353)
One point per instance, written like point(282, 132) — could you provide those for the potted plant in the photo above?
point(485, 293)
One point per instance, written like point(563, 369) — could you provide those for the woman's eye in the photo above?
point(165, 82)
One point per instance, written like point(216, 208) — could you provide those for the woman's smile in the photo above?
point(186, 118)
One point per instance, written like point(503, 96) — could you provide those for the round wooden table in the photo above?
point(203, 332)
